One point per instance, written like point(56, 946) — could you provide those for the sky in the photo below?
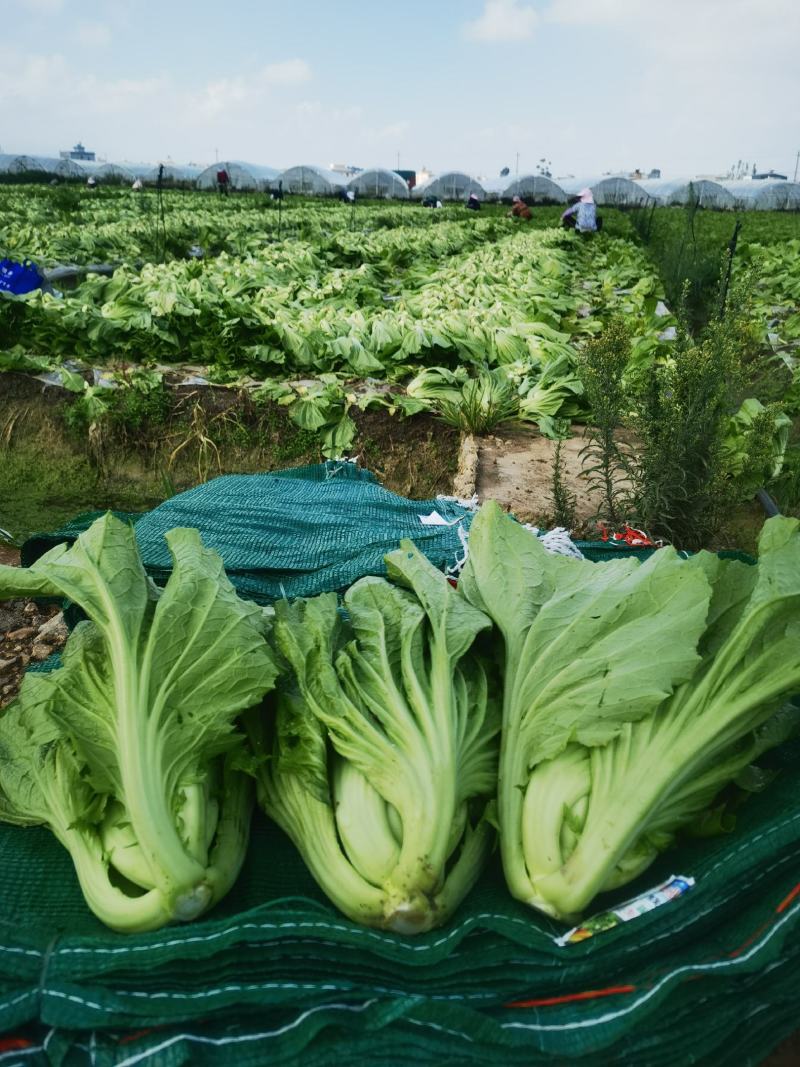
point(591, 86)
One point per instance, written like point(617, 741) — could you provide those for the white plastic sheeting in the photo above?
point(706, 192)
point(66, 168)
point(452, 185)
point(534, 188)
point(242, 175)
point(106, 171)
point(378, 182)
point(765, 195)
point(611, 190)
point(174, 172)
point(309, 180)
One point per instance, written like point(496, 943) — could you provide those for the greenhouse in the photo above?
point(241, 175)
point(535, 188)
point(380, 183)
point(10, 164)
point(707, 193)
point(452, 185)
point(610, 191)
point(114, 172)
point(310, 180)
point(752, 195)
point(174, 172)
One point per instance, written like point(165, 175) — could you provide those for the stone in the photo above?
point(55, 629)
point(22, 633)
point(41, 651)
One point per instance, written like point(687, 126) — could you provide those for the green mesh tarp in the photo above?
point(275, 975)
point(291, 533)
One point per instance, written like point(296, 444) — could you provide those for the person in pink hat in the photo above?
point(585, 213)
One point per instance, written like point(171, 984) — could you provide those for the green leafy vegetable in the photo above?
point(125, 751)
point(385, 744)
point(633, 695)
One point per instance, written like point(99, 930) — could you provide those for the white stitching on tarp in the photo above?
point(441, 1029)
point(240, 1038)
point(4, 1056)
point(256, 987)
point(296, 925)
point(22, 951)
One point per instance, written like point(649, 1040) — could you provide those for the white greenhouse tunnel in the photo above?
point(451, 185)
point(241, 175)
point(379, 183)
point(608, 190)
point(310, 179)
point(704, 191)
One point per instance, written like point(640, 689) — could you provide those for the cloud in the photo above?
point(503, 21)
point(287, 72)
point(220, 96)
point(93, 35)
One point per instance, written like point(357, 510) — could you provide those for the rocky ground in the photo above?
point(29, 632)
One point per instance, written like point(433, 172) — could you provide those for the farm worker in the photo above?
point(91, 183)
point(137, 185)
point(584, 211)
point(222, 181)
point(473, 203)
point(519, 209)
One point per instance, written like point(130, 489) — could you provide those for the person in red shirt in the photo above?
point(519, 209)
point(222, 182)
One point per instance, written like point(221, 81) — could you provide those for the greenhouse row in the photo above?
point(381, 183)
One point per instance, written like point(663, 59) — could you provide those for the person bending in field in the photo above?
point(519, 209)
point(584, 213)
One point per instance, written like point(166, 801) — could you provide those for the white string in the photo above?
point(556, 541)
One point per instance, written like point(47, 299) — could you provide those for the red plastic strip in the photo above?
point(134, 1035)
point(587, 994)
point(11, 1044)
point(784, 904)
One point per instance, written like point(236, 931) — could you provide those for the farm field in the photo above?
point(323, 319)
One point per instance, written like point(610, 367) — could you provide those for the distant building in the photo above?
point(769, 174)
point(654, 173)
point(78, 152)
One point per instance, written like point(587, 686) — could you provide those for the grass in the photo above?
point(49, 473)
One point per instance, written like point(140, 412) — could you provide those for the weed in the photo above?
point(198, 436)
point(606, 466)
point(683, 480)
point(565, 503)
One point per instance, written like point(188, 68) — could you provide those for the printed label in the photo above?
point(675, 886)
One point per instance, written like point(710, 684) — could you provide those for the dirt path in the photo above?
point(516, 469)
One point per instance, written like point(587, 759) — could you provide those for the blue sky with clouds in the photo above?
point(592, 85)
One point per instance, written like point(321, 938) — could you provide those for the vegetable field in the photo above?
point(298, 713)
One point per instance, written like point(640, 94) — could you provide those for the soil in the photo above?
point(52, 469)
point(516, 470)
point(29, 632)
